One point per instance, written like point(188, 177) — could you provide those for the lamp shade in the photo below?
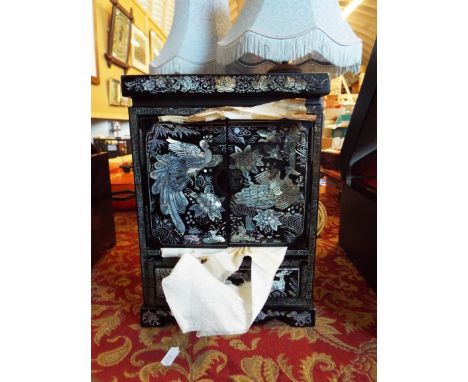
point(191, 44)
point(308, 33)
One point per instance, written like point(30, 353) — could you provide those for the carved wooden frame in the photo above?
point(111, 59)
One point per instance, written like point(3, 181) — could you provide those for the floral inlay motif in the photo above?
point(225, 84)
point(302, 318)
point(293, 83)
point(150, 318)
point(268, 220)
point(208, 204)
point(247, 160)
point(261, 83)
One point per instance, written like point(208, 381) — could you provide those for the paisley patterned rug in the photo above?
point(341, 347)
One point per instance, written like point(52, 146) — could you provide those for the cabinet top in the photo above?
point(279, 84)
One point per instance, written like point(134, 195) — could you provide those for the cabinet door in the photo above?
point(186, 167)
point(268, 172)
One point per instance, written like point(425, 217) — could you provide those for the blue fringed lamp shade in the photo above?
point(191, 45)
point(311, 34)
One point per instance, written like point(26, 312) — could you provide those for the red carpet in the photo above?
point(341, 347)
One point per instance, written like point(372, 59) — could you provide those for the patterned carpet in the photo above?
point(341, 347)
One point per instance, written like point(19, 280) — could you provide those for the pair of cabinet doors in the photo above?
point(226, 183)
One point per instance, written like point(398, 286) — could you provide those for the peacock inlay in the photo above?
point(184, 162)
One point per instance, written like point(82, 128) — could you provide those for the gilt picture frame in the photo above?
point(125, 101)
point(119, 37)
point(114, 92)
point(139, 50)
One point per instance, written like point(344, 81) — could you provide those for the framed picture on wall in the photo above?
point(94, 53)
point(156, 44)
point(120, 32)
point(114, 92)
point(125, 101)
point(140, 59)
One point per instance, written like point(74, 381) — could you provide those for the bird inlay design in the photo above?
point(209, 186)
point(267, 183)
point(172, 173)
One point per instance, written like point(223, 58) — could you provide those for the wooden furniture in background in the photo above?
point(122, 183)
point(358, 167)
point(114, 147)
point(329, 169)
point(102, 213)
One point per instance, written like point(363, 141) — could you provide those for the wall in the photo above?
point(100, 107)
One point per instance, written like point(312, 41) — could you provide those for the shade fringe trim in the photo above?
point(347, 57)
point(306, 66)
point(180, 66)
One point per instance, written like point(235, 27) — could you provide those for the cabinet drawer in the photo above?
point(286, 283)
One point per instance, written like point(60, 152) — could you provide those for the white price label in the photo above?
point(170, 356)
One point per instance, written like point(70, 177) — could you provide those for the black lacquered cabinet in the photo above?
point(227, 183)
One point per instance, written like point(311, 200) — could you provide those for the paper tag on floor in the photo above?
point(170, 356)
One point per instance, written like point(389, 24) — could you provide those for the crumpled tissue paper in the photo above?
point(201, 300)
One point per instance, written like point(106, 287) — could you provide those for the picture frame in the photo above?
point(139, 50)
point(125, 101)
point(94, 51)
point(156, 44)
point(114, 92)
point(119, 37)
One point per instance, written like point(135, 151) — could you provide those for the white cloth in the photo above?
point(201, 300)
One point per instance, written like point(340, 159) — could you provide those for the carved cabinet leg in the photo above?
point(154, 317)
point(297, 318)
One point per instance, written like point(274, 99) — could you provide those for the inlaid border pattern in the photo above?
point(305, 317)
point(243, 84)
